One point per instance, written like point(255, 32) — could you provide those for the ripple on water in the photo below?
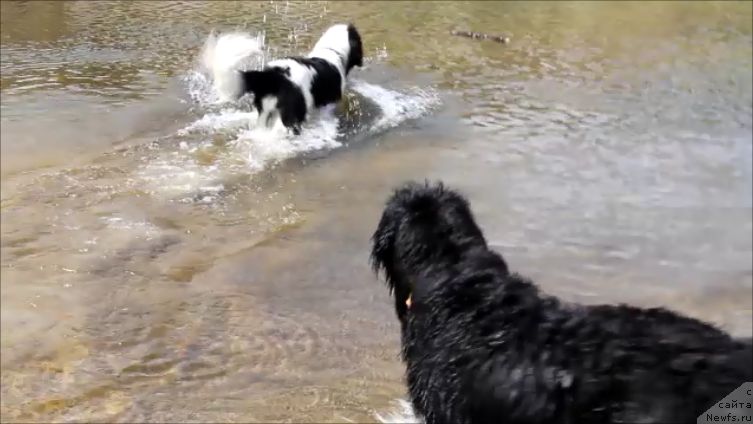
point(602, 134)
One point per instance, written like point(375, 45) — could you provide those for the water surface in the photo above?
point(160, 263)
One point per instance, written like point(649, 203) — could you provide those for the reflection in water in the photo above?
point(155, 268)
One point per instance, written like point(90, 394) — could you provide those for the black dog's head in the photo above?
point(423, 227)
point(355, 55)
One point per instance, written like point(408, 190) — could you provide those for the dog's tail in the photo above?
point(222, 55)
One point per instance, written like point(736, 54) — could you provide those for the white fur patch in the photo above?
point(222, 56)
point(268, 107)
point(300, 75)
point(334, 47)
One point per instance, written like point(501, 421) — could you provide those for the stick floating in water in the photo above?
point(480, 35)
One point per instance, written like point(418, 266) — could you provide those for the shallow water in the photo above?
point(160, 262)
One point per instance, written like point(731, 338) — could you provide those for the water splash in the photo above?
point(224, 140)
point(224, 55)
point(403, 413)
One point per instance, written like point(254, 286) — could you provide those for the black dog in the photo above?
point(484, 345)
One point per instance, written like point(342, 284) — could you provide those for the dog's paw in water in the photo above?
point(482, 344)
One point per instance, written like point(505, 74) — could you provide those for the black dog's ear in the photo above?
point(383, 260)
point(383, 247)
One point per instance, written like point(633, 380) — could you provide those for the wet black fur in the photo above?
point(484, 345)
point(291, 103)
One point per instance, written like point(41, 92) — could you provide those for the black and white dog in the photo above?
point(289, 88)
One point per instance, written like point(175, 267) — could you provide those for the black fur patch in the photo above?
point(326, 84)
point(291, 105)
point(356, 49)
point(484, 345)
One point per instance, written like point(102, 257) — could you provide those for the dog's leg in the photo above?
point(269, 122)
point(292, 109)
point(292, 119)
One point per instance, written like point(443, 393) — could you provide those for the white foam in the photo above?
point(403, 413)
point(397, 107)
point(176, 173)
point(121, 223)
point(263, 146)
point(226, 119)
point(246, 148)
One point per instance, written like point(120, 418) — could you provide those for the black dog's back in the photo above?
point(663, 366)
point(743, 360)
